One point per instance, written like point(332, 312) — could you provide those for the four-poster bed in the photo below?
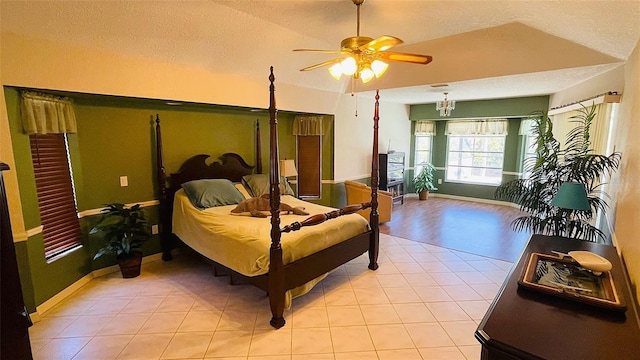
point(284, 267)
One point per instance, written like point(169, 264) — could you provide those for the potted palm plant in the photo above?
point(423, 182)
point(124, 229)
point(554, 165)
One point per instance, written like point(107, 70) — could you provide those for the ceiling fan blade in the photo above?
point(405, 57)
point(382, 43)
point(322, 51)
point(328, 62)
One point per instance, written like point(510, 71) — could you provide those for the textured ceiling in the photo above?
point(482, 49)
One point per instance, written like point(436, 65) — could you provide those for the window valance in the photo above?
point(424, 127)
point(305, 125)
point(47, 114)
point(477, 127)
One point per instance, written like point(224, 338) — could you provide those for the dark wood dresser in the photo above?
point(522, 323)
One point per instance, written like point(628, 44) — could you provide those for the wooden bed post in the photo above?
point(258, 149)
point(276, 267)
point(374, 216)
point(164, 213)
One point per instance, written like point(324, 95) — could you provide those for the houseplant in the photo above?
point(423, 182)
point(124, 229)
point(553, 165)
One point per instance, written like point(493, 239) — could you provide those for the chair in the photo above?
point(359, 193)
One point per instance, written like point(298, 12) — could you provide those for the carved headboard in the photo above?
point(232, 167)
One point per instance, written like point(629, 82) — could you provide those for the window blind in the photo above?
point(309, 165)
point(58, 213)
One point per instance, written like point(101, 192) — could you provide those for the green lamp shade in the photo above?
point(571, 195)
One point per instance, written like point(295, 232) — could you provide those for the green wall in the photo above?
point(40, 280)
point(116, 137)
point(514, 109)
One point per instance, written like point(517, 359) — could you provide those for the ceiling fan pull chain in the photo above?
point(356, 106)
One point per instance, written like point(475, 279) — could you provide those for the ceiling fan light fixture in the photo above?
point(379, 67)
point(366, 75)
point(349, 66)
point(336, 71)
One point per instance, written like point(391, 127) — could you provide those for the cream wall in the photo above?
point(624, 186)
point(37, 63)
point(9, 177)
point(354, 133)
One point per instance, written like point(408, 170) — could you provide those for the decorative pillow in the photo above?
point(243, 190)
point(258, 184)
point(208, 193)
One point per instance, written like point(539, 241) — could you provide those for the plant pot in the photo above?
point(130, 267)
point(423, 195)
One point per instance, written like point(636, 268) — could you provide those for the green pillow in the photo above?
point(208, 193)
point(259, 185)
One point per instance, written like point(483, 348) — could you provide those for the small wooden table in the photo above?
point(524, 324)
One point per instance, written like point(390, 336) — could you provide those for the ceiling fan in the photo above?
point(365, 57)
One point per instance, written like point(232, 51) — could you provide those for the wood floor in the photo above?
point(473, 227)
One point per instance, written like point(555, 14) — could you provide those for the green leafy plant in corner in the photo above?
point(124, 230)
point(553, 165)
point(424, 180)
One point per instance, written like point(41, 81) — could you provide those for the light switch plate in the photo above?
point(124, 181)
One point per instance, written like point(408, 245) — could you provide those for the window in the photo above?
point(424, 131)
point(475, 159)
point(56, 198)
point(423, 152)
point(529, 155)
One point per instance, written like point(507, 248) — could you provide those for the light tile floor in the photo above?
point(424, 302)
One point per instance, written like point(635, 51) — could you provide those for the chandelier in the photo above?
point(445, 106)
point(360, 66)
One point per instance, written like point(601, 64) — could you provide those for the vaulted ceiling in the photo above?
point(481, 49)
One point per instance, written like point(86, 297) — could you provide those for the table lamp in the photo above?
point(571, 195)
point(288, 168)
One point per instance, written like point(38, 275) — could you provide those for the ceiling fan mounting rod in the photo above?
point(358, 3)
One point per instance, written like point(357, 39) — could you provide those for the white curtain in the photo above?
point(526, 127)
point(304, 125)
point(45, 114)
point(562, 124)
point(598, 133)
point(424, 127)
point(477, 127)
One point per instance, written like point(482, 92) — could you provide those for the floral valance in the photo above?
point(477, 127)
point(46, 114)
point(424, 127)
point(304, 125)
